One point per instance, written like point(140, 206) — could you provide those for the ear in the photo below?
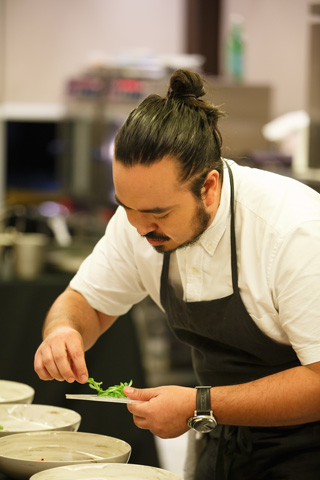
point(210, 188)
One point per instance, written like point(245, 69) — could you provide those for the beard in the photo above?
point(199, 223)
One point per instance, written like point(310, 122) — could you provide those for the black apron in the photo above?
point(227, 349)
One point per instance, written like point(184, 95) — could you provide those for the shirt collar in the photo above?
point(211, 237)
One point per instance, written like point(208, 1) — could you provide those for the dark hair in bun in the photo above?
point(180, 125)
point(186, 84)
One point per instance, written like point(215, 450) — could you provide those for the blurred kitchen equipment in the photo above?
point(29, 254)
point(290, 133)
point(98, 101)
point(166, 360)
point(6, 244)
point(55, 214)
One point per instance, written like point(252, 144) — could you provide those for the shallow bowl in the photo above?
point(106, 471)
point(24, 454)
point(21, 418)
point(15, 392)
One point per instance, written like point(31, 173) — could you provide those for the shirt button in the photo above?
point(195, 271)
point(210, 247)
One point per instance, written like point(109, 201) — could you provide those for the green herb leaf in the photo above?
point(113, 391)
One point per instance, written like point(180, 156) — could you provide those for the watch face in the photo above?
point(202, 423)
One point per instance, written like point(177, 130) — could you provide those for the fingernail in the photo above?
point(129, 390)
point(83, 378)
point(70, 380)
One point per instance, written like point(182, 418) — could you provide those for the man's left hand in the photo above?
point(164, 411)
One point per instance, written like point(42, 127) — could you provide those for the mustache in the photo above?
point(155, 236)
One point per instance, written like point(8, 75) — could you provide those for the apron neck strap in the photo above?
point(234, 267)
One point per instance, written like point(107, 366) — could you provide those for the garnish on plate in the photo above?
point(113, 391)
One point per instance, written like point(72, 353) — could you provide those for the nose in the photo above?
point(141, 222)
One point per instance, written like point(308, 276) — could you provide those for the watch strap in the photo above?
point(203, 403)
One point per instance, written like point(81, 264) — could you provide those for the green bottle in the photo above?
point(235, 49)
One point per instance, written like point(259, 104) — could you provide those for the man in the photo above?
point(232, 254)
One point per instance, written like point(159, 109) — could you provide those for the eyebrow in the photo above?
point(146, 210)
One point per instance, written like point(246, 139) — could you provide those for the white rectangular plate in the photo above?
point(98, 398)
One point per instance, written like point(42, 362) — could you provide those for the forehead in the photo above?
point(143, 187)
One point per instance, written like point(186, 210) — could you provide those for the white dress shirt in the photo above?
point(277, 222)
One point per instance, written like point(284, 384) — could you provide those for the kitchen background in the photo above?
point(70, 72)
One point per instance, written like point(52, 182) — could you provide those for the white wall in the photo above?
point(47, 41)
point(277, 47)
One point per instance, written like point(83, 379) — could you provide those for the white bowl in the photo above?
point(106, 471)
point(24, 454)
point(15, 392)
point(21, 418)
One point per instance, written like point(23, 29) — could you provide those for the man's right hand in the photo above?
point(61, 356)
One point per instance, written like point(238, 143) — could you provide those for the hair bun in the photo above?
point(184, 83)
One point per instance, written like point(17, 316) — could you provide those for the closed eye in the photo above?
point(160, 217)
point(158, 212)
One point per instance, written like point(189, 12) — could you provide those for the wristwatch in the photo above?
point(203, 420)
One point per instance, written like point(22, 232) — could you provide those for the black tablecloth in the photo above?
point(114, 358)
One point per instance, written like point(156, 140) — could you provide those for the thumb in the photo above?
point(142, 394)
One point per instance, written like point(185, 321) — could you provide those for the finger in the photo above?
point(76, 357)
point(142, 394)
point(54, 360)
point(62, 364)
point(44, 364)
point(41, 371)
point(49, 363)
point(140, 422)
point(62, 357)
point(78, 365)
